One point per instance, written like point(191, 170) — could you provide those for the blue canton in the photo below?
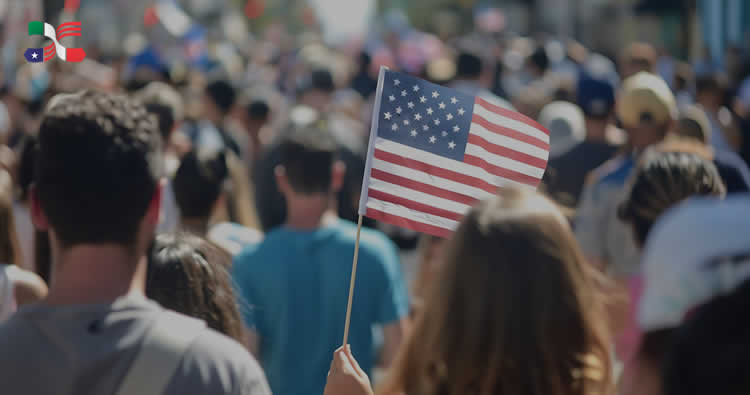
point(425, 116)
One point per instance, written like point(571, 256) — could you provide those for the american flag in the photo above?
point(434, 152)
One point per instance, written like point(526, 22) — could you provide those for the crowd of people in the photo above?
point(193, 233)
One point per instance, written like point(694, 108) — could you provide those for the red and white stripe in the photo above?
point(429, 193)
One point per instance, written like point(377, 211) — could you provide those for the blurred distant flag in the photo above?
point(434, 152)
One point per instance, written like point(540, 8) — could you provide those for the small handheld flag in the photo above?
point(434, 152)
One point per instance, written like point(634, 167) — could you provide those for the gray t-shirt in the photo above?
point(88, 349)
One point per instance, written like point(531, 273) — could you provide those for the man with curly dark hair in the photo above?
point(97, 193)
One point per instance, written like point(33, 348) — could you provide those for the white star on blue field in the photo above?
point(424, 115)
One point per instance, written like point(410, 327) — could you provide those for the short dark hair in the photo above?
point(308, 155)
point(322, 80)
point(468, 65)
point(199, 182)
point(540, 59)
point(98, 166)
point(222, 93)
point(258, 110)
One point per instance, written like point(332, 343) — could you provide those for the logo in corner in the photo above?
point(39, 55)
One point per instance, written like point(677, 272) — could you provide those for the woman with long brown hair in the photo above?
point(515, 310)
point(190, 275)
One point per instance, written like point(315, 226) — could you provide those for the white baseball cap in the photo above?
point(697, 251)
point(566, 125)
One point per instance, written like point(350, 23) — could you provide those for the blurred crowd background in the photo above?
point(606, 77)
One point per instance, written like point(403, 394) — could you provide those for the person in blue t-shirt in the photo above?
point(295, 283)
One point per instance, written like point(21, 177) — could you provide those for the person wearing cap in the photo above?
point(687, 264)
point(646, 107)
point(694, 126)
point(567, 171)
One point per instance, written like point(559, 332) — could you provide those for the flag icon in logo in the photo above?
point(38, 55)
point(435, 151)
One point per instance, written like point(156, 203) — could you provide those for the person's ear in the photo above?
point(338, 171)
point(38, 218)
point(153, 213)
point(282, 182)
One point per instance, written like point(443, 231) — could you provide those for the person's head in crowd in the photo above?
point(218, 99)
point(663, 179)
point(190, 275)
point(596, 97)
point(686, 263)
point(647, 109)
point(317, 91)
point(258, 115)
point(97, 183)
point(530, 101)
point(710, 90)
point(710, 353)
point(364, 63)
point(166, 104)
point(493, 326)
point(199, 185)
point(566, 126)
point(637, 57)
point(538, 62)
point(468, 66)
point(309, 174)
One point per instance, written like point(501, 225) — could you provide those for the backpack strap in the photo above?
point(162, 350)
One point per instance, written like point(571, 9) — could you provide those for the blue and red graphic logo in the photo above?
point(39, 55)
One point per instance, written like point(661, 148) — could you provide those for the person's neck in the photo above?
point(309, 212)
point(96, 273)
point(199, 226)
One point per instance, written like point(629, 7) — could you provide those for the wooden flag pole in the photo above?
point(351, 283)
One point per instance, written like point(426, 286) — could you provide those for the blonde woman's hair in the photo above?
point(515, 310)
